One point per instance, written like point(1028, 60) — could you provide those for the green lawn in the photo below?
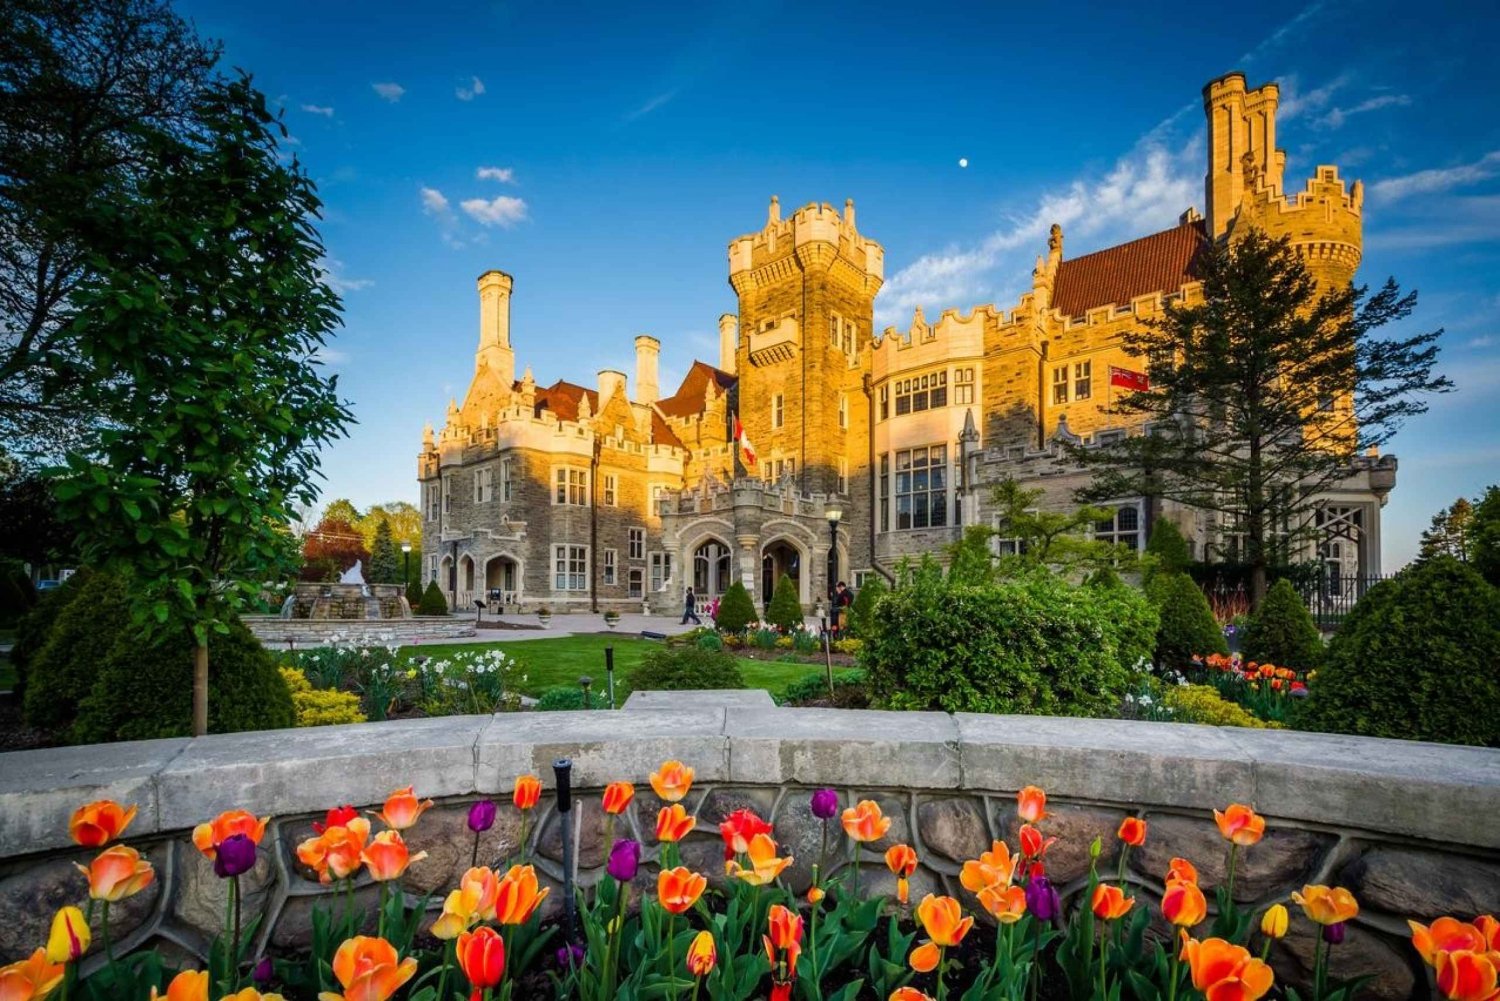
point(551, 662)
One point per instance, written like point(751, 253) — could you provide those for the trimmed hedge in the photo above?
point(36, 625)
point(1169, 547)
point(433, 602)
point(736, 610)
point(1204, 704)
point(1418, 658)
point(320, 706)
point(565, 698)
point(1188, 626)
point(678, 668)
point(1283, 632)
point(80, 636)
point(1029, 644)
point(785, 612)
point(862, 613)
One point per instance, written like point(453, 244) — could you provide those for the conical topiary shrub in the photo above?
point(785, 612)
point(1188, 626)
point(862, 612)
point(736, 610)
point(1282, 632)
point(433, 602)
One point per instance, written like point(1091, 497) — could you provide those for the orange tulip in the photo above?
point(251, 994)
point(96, 824)
point(902, 861)
point(30, 979)
point(673, 822)
point(387, 856)
point(1445, 935)
point(925, 957)
point(207, 837)
point(617, 796)
point(1006, 904)
point(369, 970)
point(69, 938)
point(1132, 831)
point(1467, 976)
point(672, 781)
point(117, 873)
point(864, 822)
point(997, 865)
point(338, 852)
point(528, 790)
point(484, 885)
point(189, 985)
point(1490, 929)
point(1240, 824)
point(517, 895)
point(815, 895)
point(473, 901)
point(678, 889)
point(402, 809)
point(1184, 904)
point(785, 938)
point(943, 919)
point(481, 955)
point(1109, 902)
point(702, 954)
point(1031, 804)
point(764, 865)
point(1180, 869)
point(1033, 845)
point(1327, 905)
point(908, 994)
point(1222, 970)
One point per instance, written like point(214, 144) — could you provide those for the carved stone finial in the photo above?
point(774, 215)
point(918, 321)
point(1054, 239)
point(1251, 169)
point(849, 212)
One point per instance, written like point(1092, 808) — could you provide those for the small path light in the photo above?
point(584, 683)
point(609, 673)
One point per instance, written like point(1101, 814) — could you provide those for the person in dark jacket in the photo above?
point(689, 611)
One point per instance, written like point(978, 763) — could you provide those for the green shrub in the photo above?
point(736, 610)
point(81, 636)
point(1136, 620)
point(35, 626)
point(433, 602)
point(414, 596)
point(1203, 704)
point(17, 594)
point(764, 638)
point(1169, 547)
point(1283, 632)
point(1418, 658)
point(564, 698)
point(785, 612)
point(1029, 644)
point(665, 669)
point(316, 707)
point(861, 613)
point(849, 690)
point(804, 641)
point(144, 690)
point(848, 645)
point(1188, 626)
point(709, 641)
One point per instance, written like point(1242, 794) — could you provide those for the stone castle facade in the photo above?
point(871, 446)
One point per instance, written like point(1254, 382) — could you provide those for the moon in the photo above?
point(963, 161)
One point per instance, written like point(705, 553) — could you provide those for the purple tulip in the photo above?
point(1334, 934)
point(234, 855)
point(624, 860)
point(570, 955)
point(1041, 899)
point(482, 816)
point(262, 972)
point(825, 803)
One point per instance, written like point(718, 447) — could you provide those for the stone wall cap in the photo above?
point(727, 699)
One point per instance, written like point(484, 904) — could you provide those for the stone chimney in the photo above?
point(610, 383)
point(729, 335)
point(647, 352)
point(494, 326)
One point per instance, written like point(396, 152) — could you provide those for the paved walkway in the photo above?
point(570, 624)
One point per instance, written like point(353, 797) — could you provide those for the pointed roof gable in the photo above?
point(1162, 262)
point(688, 400)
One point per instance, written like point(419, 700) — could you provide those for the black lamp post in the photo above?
point(406, 563)
point(835, 514)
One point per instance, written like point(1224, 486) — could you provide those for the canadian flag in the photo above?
point(743, 441)
point(1126, 379)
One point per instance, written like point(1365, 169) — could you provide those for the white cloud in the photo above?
point(1145, 191)
point(500, 211)
point(389, 91)
point(473, 90)
point(650, 106)
point(317, 109)
point(505, 175)
point(331, 357)
point(332, 270)
point(1338, 116)
point(1483, 341)
point(1438, 179)
point(434, 202)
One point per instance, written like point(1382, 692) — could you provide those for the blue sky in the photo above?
point(605, 154)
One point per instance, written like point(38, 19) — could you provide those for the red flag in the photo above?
point(1126, 379)
point(743, 441)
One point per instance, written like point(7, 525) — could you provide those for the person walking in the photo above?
point(842, 599)
point(689, 609)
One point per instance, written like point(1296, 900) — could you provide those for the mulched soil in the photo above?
point(15, 735)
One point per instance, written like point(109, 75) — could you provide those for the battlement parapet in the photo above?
point(777, 246)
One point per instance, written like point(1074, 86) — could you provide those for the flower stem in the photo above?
point(474, 855)
point(1175, 975)
point(234, 942)
point(942, 985)
point(443, 976)
point(1234, 851)
point(109, 945)
point(671, 956)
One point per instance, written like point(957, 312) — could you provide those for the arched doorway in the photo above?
point(712, 569)
point(502, 580)
point(777, 559)
point(465, 589)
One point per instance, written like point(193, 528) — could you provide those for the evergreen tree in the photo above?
point(414, 596)
point(862, 612)
point(1263, 392)
point(736, 610)
point(385, 563)
point(1188, 627)
point(1449, 532)
point(785, 612)
point(1484, 536)
point(433, 602)
point(1169, 547)
point(1282, 631)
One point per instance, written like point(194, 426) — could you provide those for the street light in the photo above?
point(834, 513)
point(406, 563)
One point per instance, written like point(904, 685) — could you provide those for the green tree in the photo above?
point(414, 596)
point(1188, 627)
point(405, 521)
point(85, 85)
point(385, 563)
point(343, 510)
point(970, 559)
point(1263, 392)
point(1484, 536)
point(785, 612)
point(1169, 548)
point(197, 336)
point(1449, 532)
point(433, 602)
point(736, 610)
point(1282, 631)
point(862, 612)
point(1055, 539)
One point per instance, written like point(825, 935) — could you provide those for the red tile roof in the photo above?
point(688, 400)
point(562, 398)
point(662, 433)
point(1161, 262)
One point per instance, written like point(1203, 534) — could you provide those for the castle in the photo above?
point(868, 446)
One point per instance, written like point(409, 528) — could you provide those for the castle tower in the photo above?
point(806, 288)
point(647, 355)
point(494, 327)
point(1242, 153)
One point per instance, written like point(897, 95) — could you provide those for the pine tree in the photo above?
point(1169, 547)
point(1449, 532)
point(414, 596)
point(433, 602)
point(785, 612)
point(1282, 631)
point(385, 565)
point(736, 610)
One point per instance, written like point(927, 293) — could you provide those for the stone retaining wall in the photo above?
point(1409, 827)
point(274, 631)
